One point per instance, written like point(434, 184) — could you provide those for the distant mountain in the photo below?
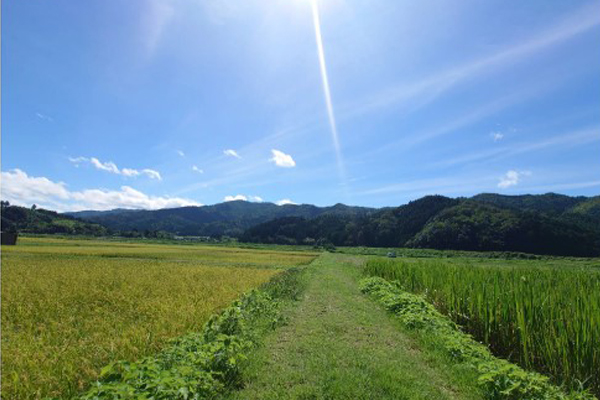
point(543, 224)
point(229, 218)
point(38, 220)
point(94, 213)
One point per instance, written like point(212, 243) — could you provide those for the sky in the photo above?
point(165, 103)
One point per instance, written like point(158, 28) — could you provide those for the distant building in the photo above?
point(9, 238)
point(194, 238)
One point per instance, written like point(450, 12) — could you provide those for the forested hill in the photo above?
point(37, 220)
point(230, 218)
point(543, 224)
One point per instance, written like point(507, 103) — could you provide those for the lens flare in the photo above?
point(327, 93)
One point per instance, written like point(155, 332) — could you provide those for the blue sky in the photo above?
point(160, 103)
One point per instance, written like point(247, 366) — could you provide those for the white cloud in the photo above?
point(231, 153)
point(112, 168)
point(497, 136)
point(235, 198)
point(78, 160)
point(181, 153)
point(255, 199)
point(130, 172)
point(19, 188)
point(282, 160)
point(152, 174)
point(44, 117)
point(196, 169)
point(512, 178)
point(106, 166)
point(283, 202)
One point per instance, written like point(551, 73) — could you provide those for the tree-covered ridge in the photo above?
point(549, 203)
point(37, 220)
point(479, 226)
point(544, 224)
point(557, 225)
point(224, 219)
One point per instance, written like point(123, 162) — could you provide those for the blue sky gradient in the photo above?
point(160, 103)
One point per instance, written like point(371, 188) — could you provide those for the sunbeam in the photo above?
point(327, 93)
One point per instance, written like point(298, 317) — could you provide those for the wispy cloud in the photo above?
point(22, 189)
point(231, 153)
point(196, 169)
point(564, 186)
point(281, 159)
point(432, 185)
point(181, 153)
point(283, 202)
point(111, 167)
point(497, 136)
point(44, 117)
point(474, 115)
point(577, 138)
point(157, 15)
point(220, 11)
point(562, 141)
point(512, 178)
point(429, 88)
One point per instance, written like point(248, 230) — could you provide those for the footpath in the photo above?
point(338, 344)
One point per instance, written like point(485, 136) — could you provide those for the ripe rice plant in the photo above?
point(69, 311)
point(207, 254)
point(546, 319)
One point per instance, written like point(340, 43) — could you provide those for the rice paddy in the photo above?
point(69, 307)
point(544, 318)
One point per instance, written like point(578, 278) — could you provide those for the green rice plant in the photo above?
point(547, 319)
point(499, 379)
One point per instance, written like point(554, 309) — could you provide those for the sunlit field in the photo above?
point(544, 315)
point(213, 255)
point(71, 307)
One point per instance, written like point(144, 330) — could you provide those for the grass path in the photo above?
point(340, 345)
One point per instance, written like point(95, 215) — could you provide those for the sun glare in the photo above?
point(327, 92)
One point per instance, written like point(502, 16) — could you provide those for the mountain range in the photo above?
point(543, 224)
point(224, 219)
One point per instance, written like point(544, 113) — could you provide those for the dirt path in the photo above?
point(340, 345)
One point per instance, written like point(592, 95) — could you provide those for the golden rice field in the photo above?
point(69, 307)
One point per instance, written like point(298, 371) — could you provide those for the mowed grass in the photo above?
point(544, 318)
point(68, 309)
point(338, 344)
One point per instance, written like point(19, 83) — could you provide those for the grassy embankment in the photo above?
point(71, 307)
